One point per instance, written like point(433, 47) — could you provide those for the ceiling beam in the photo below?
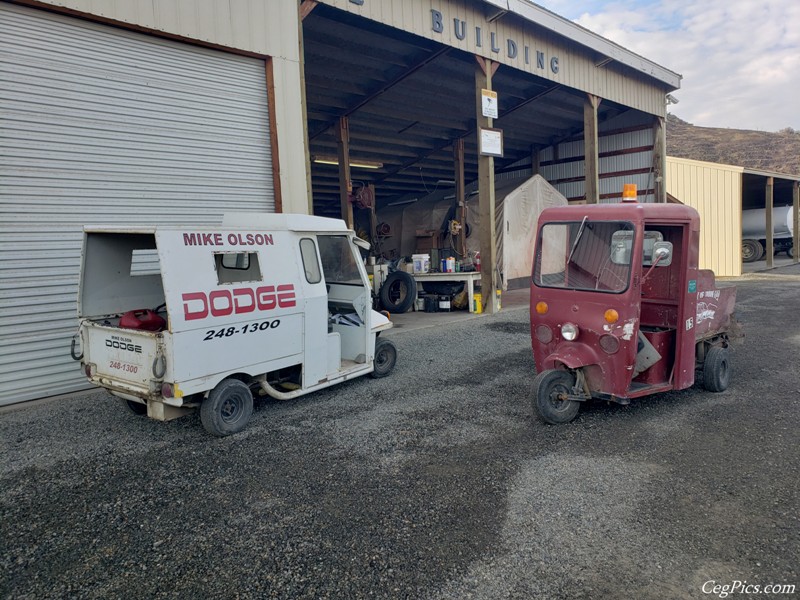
point(381, 89)
point(306, 7)
point(443, 145)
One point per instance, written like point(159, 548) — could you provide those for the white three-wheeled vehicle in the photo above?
point(172, 318)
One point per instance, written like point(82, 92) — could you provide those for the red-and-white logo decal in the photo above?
point(238, 301)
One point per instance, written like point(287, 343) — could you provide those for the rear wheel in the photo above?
point(549, 390)
point(227, 409)
point(385, 358)
point(716, 370)
point(137, 408)
point(752, 250)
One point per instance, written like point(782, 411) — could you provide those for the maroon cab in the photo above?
point(619, 309)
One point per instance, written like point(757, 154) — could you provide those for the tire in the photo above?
point(752, 250)
point(137, 408)
point(398, 292)
point(546, 387)
point(385, 358)
point(716, 370)
point(227, 409)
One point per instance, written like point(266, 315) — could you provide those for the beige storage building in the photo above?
point(720, 193)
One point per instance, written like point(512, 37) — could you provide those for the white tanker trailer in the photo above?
point(754, 236)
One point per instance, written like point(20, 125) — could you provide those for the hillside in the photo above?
point(766, 151)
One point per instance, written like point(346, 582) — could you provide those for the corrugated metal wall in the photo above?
point(102, 125)
point(715, 191)
point(625, 148)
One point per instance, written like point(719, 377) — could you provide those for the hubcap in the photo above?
point(557, 395)
point(231, 408)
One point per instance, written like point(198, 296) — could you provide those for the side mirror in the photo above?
point(361, 243)
point(662, 257)
point(662, 254)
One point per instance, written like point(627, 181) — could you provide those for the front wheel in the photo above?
point(549, 391)
point(385, 358)
point(716, 370)
point(227, 409)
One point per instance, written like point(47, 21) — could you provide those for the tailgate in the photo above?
point(121, 355)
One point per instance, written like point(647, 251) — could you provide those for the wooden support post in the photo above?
point(345, 183)
point(660, 159)
point(373, 221)
point(461, 201)
point(306, 6)
point(305, 10)
point(536, 167)
point(591, 160)
point(486, 200)
point(796, 204)
point(770, 245)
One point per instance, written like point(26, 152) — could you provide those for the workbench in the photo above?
point(469, 277)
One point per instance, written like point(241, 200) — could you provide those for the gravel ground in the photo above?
point(436, 482)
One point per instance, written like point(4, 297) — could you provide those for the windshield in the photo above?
point(584, 255)
point(338, 261)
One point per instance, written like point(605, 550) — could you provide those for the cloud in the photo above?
point(740, 59)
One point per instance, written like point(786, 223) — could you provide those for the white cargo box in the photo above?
point(177, 317)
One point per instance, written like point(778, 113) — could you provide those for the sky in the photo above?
point(740, 59)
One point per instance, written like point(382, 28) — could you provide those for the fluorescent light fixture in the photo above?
point(444, 182)
point(359, 164)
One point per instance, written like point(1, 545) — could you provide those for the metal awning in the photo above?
point(407, 99)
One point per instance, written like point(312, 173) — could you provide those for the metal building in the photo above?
point(178, 111)
point(720, 193)
point(107, 124)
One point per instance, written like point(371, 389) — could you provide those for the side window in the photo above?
point(308, 250)
point(237, 267)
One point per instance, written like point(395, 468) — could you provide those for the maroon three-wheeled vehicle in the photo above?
point(619, 309)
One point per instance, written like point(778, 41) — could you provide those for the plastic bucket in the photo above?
point(421, 262)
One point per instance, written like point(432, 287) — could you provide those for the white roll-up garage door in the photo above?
point(100, 125)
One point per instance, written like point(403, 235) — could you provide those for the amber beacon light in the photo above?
point(629, 192)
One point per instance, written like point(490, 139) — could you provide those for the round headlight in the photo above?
point(569, 331)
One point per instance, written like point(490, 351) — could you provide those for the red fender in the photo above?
point(572, 355)
point(579, 356)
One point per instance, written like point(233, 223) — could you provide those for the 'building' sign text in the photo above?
point(511, 48)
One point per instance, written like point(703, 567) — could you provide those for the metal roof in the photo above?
point(580, 35)
point(737, 168)
point(404, 97)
